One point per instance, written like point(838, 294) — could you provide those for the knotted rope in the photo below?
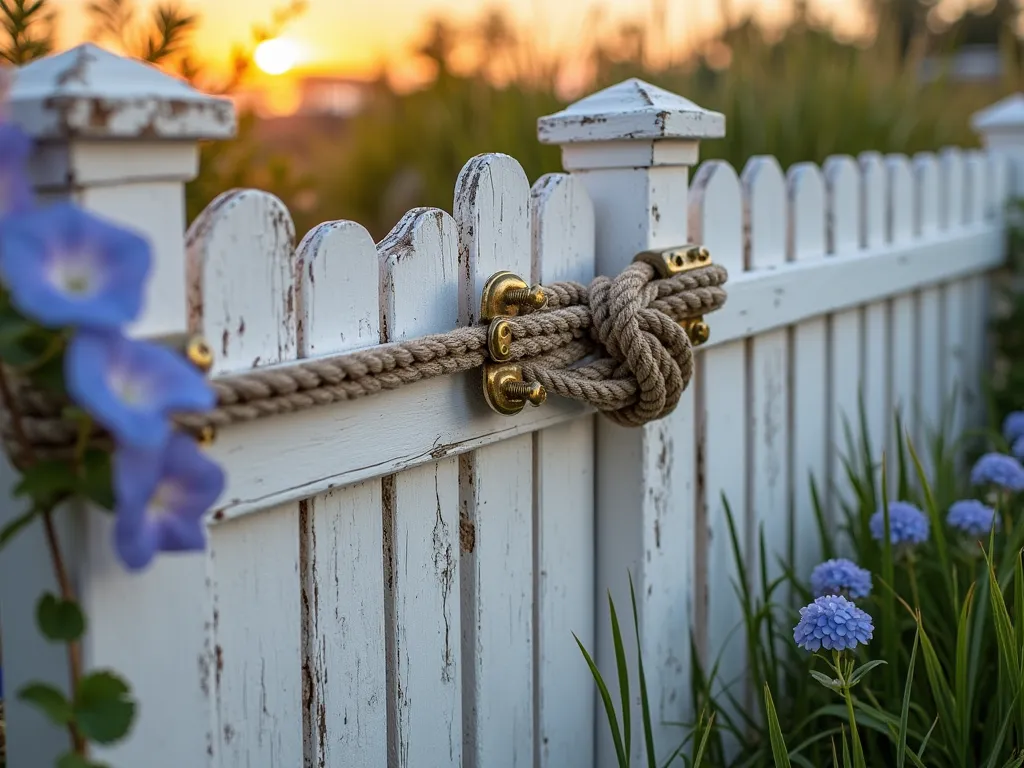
point(636, 359)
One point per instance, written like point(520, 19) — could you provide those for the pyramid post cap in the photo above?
point(1004, 115)
point(89, 92)
point(631, 110)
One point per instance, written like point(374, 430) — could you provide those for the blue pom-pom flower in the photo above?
point(972, 517)
point(1013, 426)
point(840, 577)
point(15, 191)
point(999, 470)
point(1017, 449)
point(64, 267)
point(834, 623)
point(132, 387)
point(162, 497)
point(908, 525)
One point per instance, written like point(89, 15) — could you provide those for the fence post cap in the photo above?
point(1007, 114)
point(631, 110)
point(90, 93)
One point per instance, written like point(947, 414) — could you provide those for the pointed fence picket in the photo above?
point(397, 581)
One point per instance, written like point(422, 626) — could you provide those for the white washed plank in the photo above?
point(341, 549)
point(765, 220)
point(930, 309)
point(492, 208)
point(876, 376)
point(976, 313)
point(420, 296)
point(242, 297)
point(251, 322)
point(563, 249)
point(953, 207)
point(806, 189)
point(905, 346)
point(716, 220)
point(842, 179)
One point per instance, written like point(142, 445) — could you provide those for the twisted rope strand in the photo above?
point(637, 359)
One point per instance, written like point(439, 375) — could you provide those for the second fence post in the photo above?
point(632, 145)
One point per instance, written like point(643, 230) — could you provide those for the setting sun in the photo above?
point(277, 56)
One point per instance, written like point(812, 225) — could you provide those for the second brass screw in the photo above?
point(699, 332)
point(526, 297)
point(531, 392)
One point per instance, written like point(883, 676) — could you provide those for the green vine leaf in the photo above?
point(46, 482)
point(96, 483)
point(49, 700)
point(103, 709)
point(59, 620)
point(10, 530)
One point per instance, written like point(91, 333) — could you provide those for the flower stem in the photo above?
point(60, 571)
point(845, 673)
point(913, 580)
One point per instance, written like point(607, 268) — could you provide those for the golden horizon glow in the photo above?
point(276, 56)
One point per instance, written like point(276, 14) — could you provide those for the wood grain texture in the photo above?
point(930, 311)
point(421, 518)
point(952, 214)
point(563, 249)
point(492, 209)
point(341, 550)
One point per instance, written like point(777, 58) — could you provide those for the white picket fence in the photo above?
point(396, 581)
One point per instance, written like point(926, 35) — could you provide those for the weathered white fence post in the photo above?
point(632, 146)
point(1001, 128)
point(120, 138)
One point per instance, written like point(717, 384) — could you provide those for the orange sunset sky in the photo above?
point(355, 36)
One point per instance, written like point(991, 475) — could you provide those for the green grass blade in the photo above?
point(938, 529)
point(620, 663)
point(997, 747)
point(963, 694)
point(609, 708)
point(779, 751)
point(1005, 635)
point(698, 759)
point(901, 739)
point(644, 703)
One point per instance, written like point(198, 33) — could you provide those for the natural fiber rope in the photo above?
point(641, 359)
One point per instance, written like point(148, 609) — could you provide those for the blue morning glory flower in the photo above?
point(1013, 426)
point(907, 524)
point(840, 577)
point(834, 623)
point(162, 497)
point(972, 517)
point(65, 267)
point(131, 387)
point(998, 469)
point(15, 190)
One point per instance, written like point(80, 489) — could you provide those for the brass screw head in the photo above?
point(533, 297)
point(199, 354)
point(532, 392)
point(698, 331)
point(206, 436)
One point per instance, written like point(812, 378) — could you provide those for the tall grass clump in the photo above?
point(909, 650)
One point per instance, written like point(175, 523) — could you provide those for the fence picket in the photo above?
point(930, 308)
point(765, 219)
point(876, 342)
point(242, 296)
point(905, 347)
point(496, 495)
point(809, 396)
point(977, 183)
point(952, 209)
point(563, 249)
point(420, 295)
point(716, 220)
point(842, 180)
point(341, 550)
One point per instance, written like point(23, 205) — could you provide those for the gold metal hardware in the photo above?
point(697, 330)
point(672, 261)
point(504, 293)
point(499, 340)
point(506, 392)
point(199, 353)
point(206, 436)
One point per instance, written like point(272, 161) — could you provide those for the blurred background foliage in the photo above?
point(799, 93)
